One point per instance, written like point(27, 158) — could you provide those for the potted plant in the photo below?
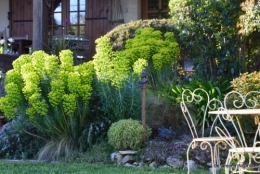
point(70, 28)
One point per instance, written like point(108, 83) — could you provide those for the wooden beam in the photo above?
point(40, 25)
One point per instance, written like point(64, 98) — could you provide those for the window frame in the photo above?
point(145, 11)
point(65, 14)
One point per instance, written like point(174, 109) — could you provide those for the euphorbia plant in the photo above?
point(53, 95)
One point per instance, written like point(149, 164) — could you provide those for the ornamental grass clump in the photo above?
point(127, 134)
point(53, 95)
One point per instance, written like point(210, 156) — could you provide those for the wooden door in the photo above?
point(97, 21)
point(21, 18)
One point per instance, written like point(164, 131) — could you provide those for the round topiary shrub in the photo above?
point(127, 134)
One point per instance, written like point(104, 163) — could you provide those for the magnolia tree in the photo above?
point(53, 95)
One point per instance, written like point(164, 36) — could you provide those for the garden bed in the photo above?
point(6, 61)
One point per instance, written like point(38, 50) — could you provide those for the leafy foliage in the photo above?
point(209, 36)
point(250, 21)
point(97, 153)
point(214, 89)
point(246, 82)
point(123, 103)
point(119, 71)
point(127, 134)
point(17, 143)
point(53, 95)
point(148, 45)
point(162, 111)
point(120, 34)
point(243, 84)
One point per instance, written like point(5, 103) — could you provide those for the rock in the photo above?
point(129, 165)
point(192, 164)
point(153, 165)
point(165, 166)
point(141, 164)
point(112, 156)
point(128, 159)
point(216, 169)
point(128, 152)
point(136, 163)
point(174, 162)
point(116, 157)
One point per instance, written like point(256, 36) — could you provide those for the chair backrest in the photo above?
point(237, 100)
point(190, 99)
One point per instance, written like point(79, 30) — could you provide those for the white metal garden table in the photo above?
point(243, 152)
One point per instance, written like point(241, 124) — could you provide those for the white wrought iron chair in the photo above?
point(213, 143)
point(241, 157)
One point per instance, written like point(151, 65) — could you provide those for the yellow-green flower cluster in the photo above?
point(57, 91)
point(40, 85)
point(73, 82)
point(10, 102)
point(13, 76)
point(38, 61)
point(149, 45)
point(118, 71)
point(66, 59)
point(23, 60)
point(102, 59)
point(37, 106)
point(159, 51)
point(139, 65)
point(111, 66)
point(86, 71)
point(69, 104)
point(51, 65)
point(85, 92)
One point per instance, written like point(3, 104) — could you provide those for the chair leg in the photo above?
point(188, 163)
point(228, 162)
point(212, 153)
point(216, 155)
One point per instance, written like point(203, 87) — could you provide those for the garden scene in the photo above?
point(122, 111)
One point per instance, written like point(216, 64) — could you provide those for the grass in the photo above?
point(81, 168)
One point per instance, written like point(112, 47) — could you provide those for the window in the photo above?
point(77, 10)
point(55, 17)
point(61, 10)
point(152, 9)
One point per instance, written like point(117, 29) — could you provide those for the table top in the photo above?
point(237, 112)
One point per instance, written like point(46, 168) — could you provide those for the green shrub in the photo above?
point(120, 34)
point(127, 134)
point(246, 82)
point(243, 84)
point(118, 70)
point(17, 142)
point(53, 95)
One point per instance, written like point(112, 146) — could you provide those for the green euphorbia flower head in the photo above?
point(47, 85)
